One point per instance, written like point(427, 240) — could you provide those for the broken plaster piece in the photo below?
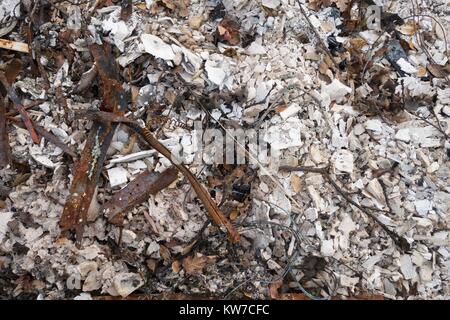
point(117, 176)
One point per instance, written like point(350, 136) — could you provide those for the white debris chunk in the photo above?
point(343, 161)
point(92, 282)
point(216, 74)
point(406, 66)
point(406, 267)
point(326, 248)
point(272, 4)
point(43, 161)
point(156, 47)
point(374, 125)
point(371, 261)
point(347, 225)
point(423, 206)
point(152, 248)
point(83, 296)
point(117, 176)
point(336, 90)
point(5, 217)
point(403, 135)
point(425, 136)
point(256, 48)
point(290, 111)
point(285, 135)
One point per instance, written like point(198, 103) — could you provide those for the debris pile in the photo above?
point(109, 187)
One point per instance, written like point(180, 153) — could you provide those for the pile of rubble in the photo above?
point(357, 200)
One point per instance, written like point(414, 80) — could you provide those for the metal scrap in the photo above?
point(136, 192)
point(89, 166)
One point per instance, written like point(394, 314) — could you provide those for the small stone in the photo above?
point(90, 253)
point(87, 266)
point(406, 66)
point(358, 129)
point(311, 214)
point(128, 236)
point(83, 296)
point(316, 154)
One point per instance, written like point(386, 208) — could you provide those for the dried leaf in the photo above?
point(437, 70)
point(194, 265)
point(127, 10)
point(293, 296)
point(228, 29)
point(165, 253)
point(409, 28)
point(180, 7)
point(176, 266)
point(296, 183)
point(273, 289)
point(86, 80)
point(151, 264)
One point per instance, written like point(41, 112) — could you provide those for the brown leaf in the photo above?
point(165, 253)
point(228, 29)
point(409, 28)
point(293, 296)
point(151, 264)
point(195, 264)
point(180, 7)
point(273, 289)
point(437, 70)
point(127, 10)
point(317, 4)
point(176, 266)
